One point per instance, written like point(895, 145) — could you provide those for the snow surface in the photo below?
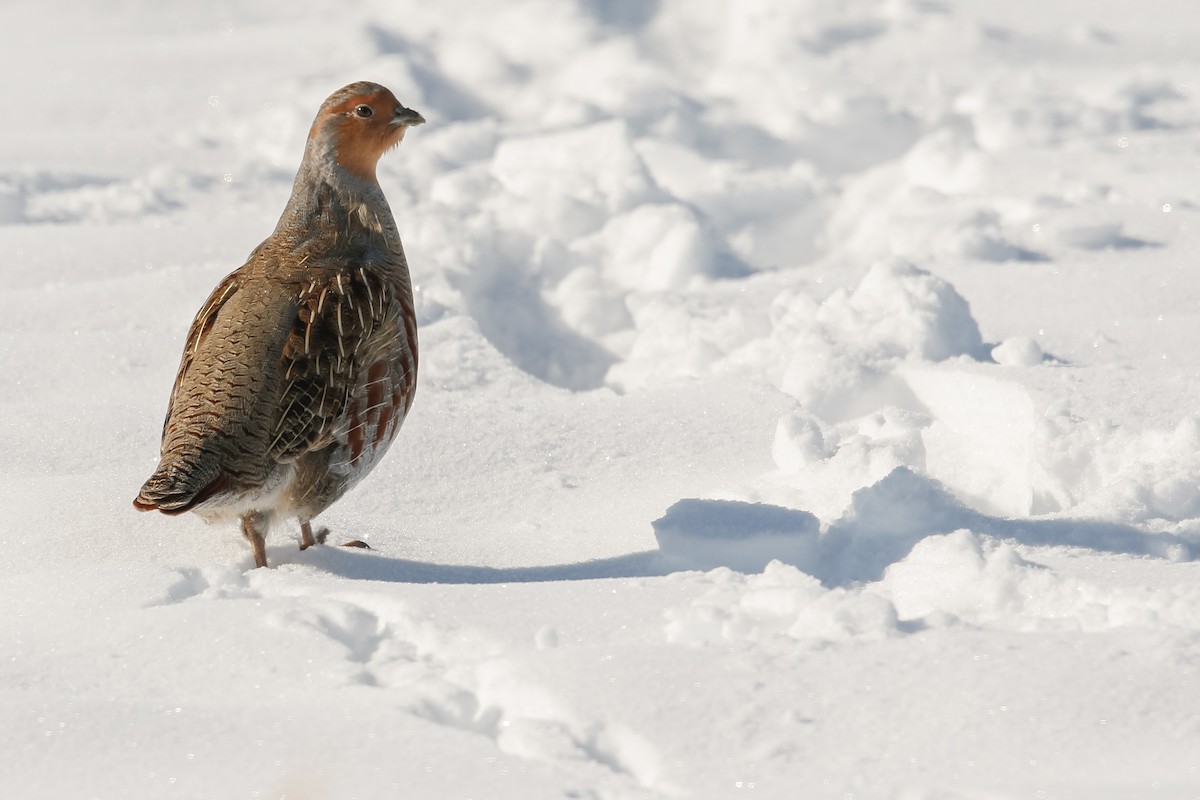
point(807, 404)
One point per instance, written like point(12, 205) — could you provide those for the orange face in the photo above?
point(364, 126)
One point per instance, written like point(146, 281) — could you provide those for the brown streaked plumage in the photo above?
point(300, 367)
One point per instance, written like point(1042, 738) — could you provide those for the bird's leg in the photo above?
point(254, 526)
point(307, 539)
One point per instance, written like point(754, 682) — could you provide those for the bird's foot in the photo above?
point(308, 539)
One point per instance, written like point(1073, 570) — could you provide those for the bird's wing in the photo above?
point(346, 321)
point(201, 327)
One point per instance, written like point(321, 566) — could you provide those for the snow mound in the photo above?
point(703, 534)
point(572, 235)
point(677, 334)
point(839, 358)
point(885, 521)
point(771, 215)
point(780, 607)
point(980, 441)
point(799, 441)
point(1018, 351)
point(983, 583)
point(900, 311)
point(947, 580)
point(1090, 466)
point(657, 247)
point(571, 183)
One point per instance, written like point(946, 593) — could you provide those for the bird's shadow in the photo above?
point(881, 527)
point(357, 564)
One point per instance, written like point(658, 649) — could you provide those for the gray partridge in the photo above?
point(302, 364)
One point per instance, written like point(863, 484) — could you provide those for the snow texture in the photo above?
point(807, 404)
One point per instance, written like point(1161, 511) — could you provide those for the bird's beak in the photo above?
point(407, 117)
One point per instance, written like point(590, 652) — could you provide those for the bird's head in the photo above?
point(359, 123)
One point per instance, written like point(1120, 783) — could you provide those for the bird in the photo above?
point(301, 366)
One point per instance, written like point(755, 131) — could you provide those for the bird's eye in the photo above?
point(364, 111)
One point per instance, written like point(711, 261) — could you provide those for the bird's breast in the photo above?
point(349, 367)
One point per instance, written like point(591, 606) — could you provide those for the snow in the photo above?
point(807, 404)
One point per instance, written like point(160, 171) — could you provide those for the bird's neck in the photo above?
point(328, 200)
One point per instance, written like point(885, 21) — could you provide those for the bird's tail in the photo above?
point(178, 487)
